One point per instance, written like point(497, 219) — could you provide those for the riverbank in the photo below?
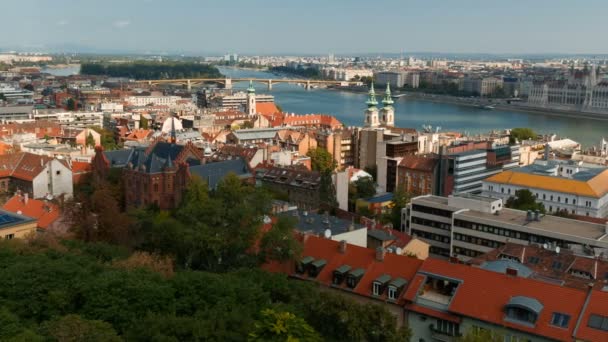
point(477, 102)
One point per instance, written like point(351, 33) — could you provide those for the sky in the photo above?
point(265, 27)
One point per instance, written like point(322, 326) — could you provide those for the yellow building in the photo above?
point(15, 225)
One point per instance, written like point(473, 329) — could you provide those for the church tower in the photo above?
point(251, 107)
point(371, 114)
point(388, 112)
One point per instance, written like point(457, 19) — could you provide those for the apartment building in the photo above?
point(434, 298)
point(468, 226)
point(139, 101)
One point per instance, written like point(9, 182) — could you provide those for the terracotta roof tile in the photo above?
point(595, 187)
point(44, 212)
point(266, 108)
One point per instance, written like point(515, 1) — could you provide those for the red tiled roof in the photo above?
point(266, 108)
point(24, 166)
point(30, 166)
point(139, 134)
point(44, 212)
point(312, 119)
point(419, 163)
point(597, 304)
point(483, 295)
point(396, 266)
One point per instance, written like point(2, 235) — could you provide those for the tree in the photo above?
point(365, 187)
point(279, 243)
point(524, 199)
point(351, 321)
point(73, 328)
point(521, 134)
point(372, 170)
point(143, 122)
point(213, 231)
point(481, 335)
point(98, 217)
point(107, 138)
point(321, 160)
point(282, 326)
point(29, 87)
point(12, 328)
point(401, 198)
point(2, 97)
point(71, 104)
point(90, 140)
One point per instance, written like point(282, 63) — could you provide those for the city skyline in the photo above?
point(314, 27)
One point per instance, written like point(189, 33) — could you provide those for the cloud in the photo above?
point(62, 22)
point(121, 23)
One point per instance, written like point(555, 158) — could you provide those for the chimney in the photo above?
point(342, 246)
point(529, 215)
point(380, 253)
point(351, 227)
point(26, 198)
point(536, 215)
point(511, 271)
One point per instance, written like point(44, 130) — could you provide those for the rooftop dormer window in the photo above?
point(316, 267)
point(353, 277)
point(303, 264)
point(524, 310)
point(379, 284)
point(395, 287)
point(340, 274)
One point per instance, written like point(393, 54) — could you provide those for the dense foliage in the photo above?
point(311, 73)
point(524, 199)
point(73, 291)
point(521, 134)
point(140, 70)
point(190, 274)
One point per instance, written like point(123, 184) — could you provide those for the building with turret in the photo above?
point(251, 107)
point(371, 114)
point(388, 112)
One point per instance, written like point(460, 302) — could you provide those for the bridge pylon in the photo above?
point(228, 83)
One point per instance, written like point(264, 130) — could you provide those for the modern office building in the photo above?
point(468, 226)
point(464, 167)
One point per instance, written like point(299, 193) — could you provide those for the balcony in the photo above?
point(439, 335)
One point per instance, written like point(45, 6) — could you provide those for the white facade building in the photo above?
point(573, 187)
point(154, 100)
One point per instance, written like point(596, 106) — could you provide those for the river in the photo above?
point(349, 107)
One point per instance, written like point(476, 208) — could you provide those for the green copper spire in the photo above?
point(388, 99)
point(251, 89)
point(371, 101)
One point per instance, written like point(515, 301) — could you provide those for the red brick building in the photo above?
point(418, 174)
point(158, 175)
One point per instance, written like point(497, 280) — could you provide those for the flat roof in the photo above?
point(9, 219)
point(548, 223)
point(432, 199)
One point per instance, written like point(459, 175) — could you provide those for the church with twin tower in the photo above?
point(383, 117)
